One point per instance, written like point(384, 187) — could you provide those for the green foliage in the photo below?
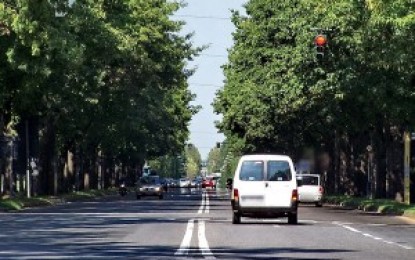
point(193, 161)
point(214, 160)
point(277, 97)
point(378, 205)
point(103, 75)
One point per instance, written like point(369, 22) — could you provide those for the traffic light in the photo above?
point(320, 43)
point(218, 144)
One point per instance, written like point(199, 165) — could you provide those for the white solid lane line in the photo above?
point(207, 203)
point(203, 243)
point(184, 246)
point(202, 205)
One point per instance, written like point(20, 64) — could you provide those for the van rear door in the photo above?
point(250, 184)
point(279, 184)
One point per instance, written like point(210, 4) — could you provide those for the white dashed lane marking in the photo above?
point(371, 236)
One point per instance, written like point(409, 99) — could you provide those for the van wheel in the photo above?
point(160, 197)
point(292, 218)
point(236, 218)
point(319, 204)
point(138, 197)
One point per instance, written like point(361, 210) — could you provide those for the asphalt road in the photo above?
point(197, 224)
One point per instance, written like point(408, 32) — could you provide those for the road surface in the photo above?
point(197, 224)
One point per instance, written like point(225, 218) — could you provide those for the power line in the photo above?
point(202, 17)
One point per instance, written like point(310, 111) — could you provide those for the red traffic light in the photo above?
point(320, 40)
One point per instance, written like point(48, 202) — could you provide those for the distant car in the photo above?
point(149, 186)
point(184, 183)
point(265, 186)
point(209, 182)
point(193, 183)
point(311, 190)
point(199, 182)
point(175, 183)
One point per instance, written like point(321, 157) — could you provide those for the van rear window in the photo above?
point(252, 171)
point(279, 171)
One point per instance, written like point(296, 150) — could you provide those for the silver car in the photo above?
point(150, 186)
point(184, 183)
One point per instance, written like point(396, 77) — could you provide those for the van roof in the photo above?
point(266, 157)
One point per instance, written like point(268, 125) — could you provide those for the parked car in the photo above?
point(184, 183)
point(265, 186)
point(209, 182)
point(311, 190)
point(149, 186)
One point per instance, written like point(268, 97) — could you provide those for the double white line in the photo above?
point(187, 239)
point(205, 203)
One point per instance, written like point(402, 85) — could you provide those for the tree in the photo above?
point(103, 87)
point(193, 160)
point(214, 160)
point(279, 98)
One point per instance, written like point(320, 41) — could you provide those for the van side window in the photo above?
point(279, 171)
point(252, 171)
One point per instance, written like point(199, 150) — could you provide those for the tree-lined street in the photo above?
point(314, 99)
point(181, 226)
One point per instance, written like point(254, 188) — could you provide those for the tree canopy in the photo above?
point(278, 97)
point(98, 78)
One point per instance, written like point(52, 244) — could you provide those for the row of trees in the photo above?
point(351, 108)
point(175, 166)
point(93, 89)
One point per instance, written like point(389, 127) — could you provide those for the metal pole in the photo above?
point(27, 159)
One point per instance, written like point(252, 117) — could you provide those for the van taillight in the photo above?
point(235, 194)
point(321, 190)
point(294, 196)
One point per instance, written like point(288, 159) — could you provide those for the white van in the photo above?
point(265, 186)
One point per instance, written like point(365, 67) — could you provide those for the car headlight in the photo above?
point(141, 189)
point(158, 189)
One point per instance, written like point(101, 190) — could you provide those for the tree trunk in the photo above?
point(47, 158)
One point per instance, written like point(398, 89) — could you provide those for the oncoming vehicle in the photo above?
point(184, 183)
point(265, 186)
point(149, 186)
point(311, 190)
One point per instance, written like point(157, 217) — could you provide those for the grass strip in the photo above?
point(19, 203)
point(383, 206)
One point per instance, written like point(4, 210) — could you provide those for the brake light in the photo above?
point(235, 194)
point(294, 196)
point(321, 190)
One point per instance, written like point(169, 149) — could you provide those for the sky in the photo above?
point(210, 22)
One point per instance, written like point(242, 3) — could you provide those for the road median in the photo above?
point(20, 203)
point(381, 206)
